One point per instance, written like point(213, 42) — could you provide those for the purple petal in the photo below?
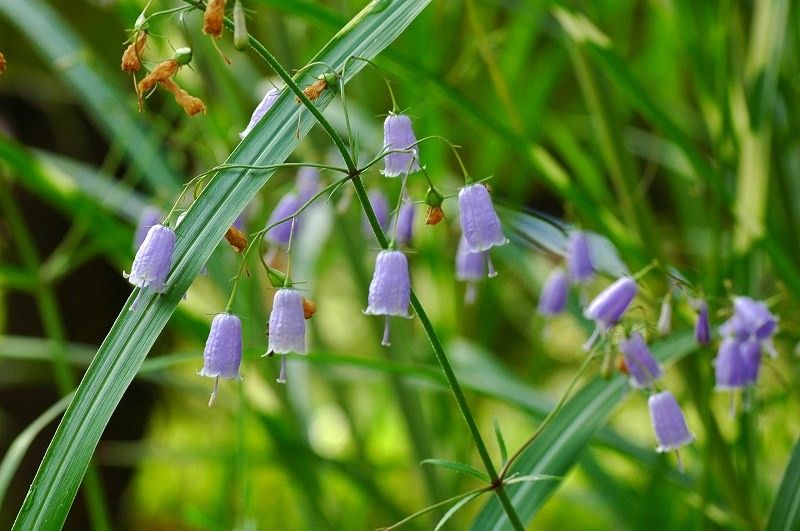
point(642, 366)
point(390, 289)
point(398, 134)
point(668, 422)
point(479, 222)
point(553, 298)
point(287, 324)
point(223, 352)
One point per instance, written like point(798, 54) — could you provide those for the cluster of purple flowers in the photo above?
point(745, 336)
point(606, 310)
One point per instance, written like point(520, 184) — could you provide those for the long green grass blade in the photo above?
point(561, 444)
point(785, 514)
point(226, 195)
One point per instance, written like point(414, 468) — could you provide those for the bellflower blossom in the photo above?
point(152, 262)
point(752, 320)
point(398, 134)
point(668, 421)
point(150, 216)
point(479, 222)
point(642, 366)
point(730, 367)
point(607, 308)
point(287, 326)
point(405, 223)
point(223, 352)
point(470, 268)
point(579, 259)
point(390, 289)
point(261, 109)
point(553, 298)
point(702, 328)
point(281, 233)
point(307, 183)
point(381, 208)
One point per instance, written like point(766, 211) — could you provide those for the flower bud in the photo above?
point(607, 308)
point(434, 200)
point(664, 325)
point(702, 328)
point(183, 56)
point(398, 135)
point(240, 36)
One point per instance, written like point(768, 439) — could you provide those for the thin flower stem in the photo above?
point(255, 238)
point(361, 192)
point(449, 374)
point(550, 416)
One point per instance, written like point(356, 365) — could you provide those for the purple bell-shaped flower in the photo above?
point(579, 259)
point(405, 224)
point(390, 289)
point(150, 216)
point(152, 262)
point(261, 109)
point(307, 183)
point(381, 208)
point(470, 268)
point(479, 222)
point(642, 366)
point(287, 326)
point(730, 367)
point(398, 135)
point(607, 308)
point(668, 421)
point(702, 328)
point(281, 233)
point(553, 298)
point(223, 353)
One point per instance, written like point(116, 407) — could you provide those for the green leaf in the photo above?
point(455, 508)
point(500, 442)
point(785, 514)
point(226, 195)
point(560, 445)
point(458, 467)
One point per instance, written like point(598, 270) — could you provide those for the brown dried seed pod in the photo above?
point(2, 63)
point(314, 90)
point(435, 215)
point(190, 104)
point(212, 19)
point(309, 308)
point(130, 57)
point(237, 239)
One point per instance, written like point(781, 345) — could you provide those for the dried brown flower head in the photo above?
point(2, 63)
point(237, 239)
point(309, 308)
point(190, 104)
point(314, 90)
point(212, 19)
point(435, 215)
point(130, 57)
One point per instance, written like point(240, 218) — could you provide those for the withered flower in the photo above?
point(236, 238)
point(130, 57)
point(309, 308)
point(212, 19)
point(190, 104)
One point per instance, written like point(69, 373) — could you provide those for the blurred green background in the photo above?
point(669, 127)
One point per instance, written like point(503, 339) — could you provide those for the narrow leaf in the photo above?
point(458, 467)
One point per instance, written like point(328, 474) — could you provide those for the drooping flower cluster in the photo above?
point(746, 335)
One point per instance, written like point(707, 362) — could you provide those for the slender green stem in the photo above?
point(438, 349)
point(449, 374)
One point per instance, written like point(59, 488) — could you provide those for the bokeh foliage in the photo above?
point(670, 128)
